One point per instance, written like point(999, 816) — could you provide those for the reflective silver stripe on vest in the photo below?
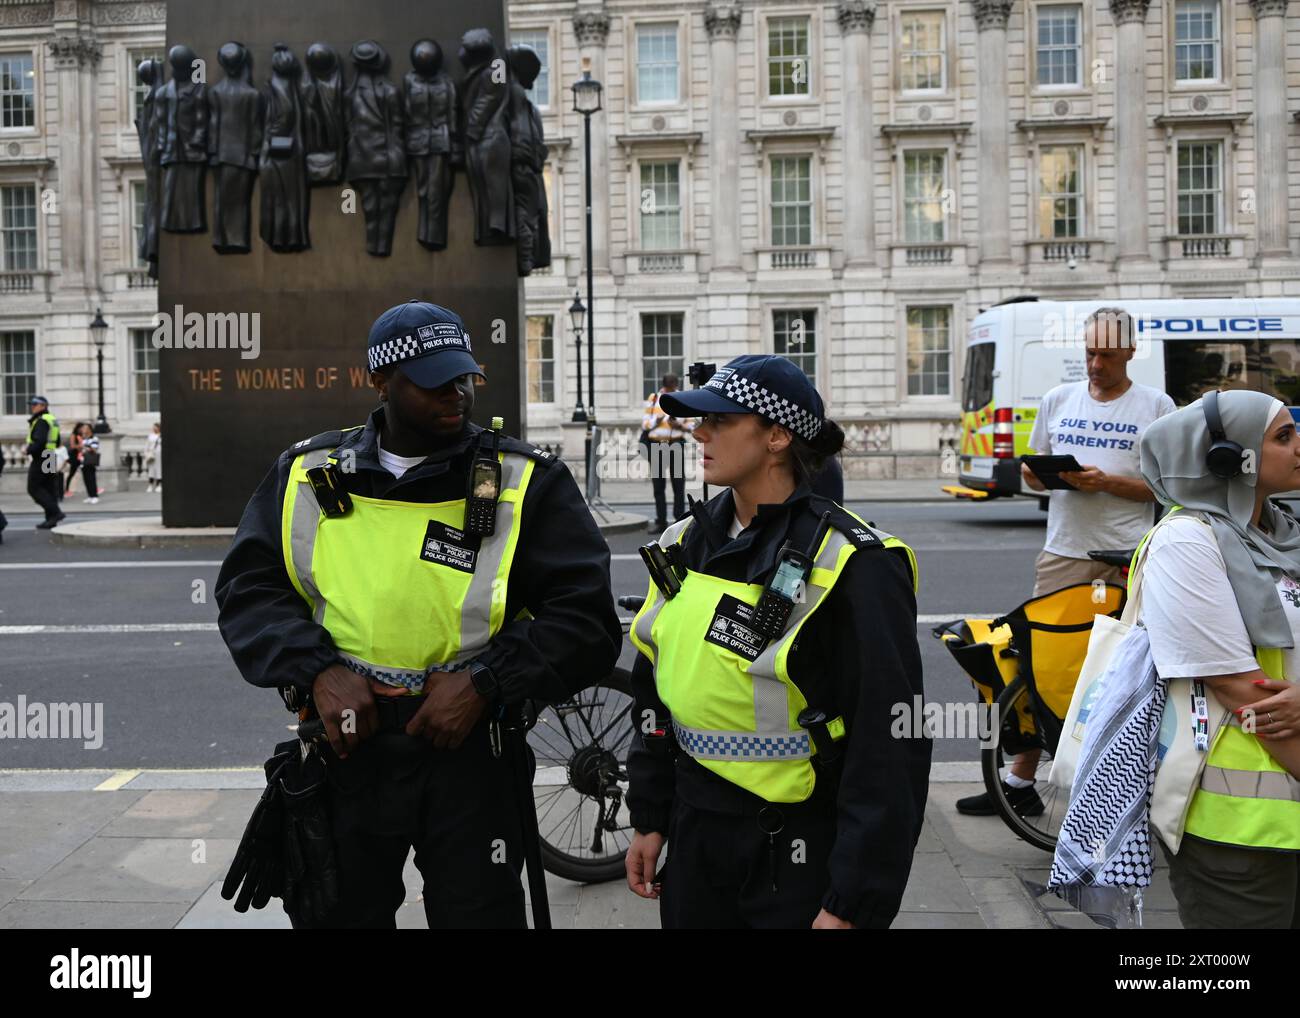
point(302, 531)
point(646, 620)
point(714, 745)
point(1250, 784)
point(476, 610)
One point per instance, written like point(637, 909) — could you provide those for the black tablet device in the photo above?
point(1048, 470)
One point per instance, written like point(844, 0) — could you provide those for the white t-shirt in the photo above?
point(1105, 435)
point(1190, 611)
point(394, 464)
point(734, 530)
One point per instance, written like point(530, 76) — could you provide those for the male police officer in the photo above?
point(357, 576)
point(44, 481)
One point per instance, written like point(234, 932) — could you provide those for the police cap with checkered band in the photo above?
point(772, 387)
point(428, 342)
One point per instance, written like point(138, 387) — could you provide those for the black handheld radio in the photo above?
point(484, 484)
point(785, 585)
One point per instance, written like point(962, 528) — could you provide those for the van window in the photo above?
point(1265, 365)
point(977, 385)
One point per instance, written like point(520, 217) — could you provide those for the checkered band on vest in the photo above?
point(769, 404)
point(742, 747)
point(393, 351)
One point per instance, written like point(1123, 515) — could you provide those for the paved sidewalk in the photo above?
point(106, 849)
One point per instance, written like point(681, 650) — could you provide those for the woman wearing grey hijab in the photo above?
point(1221, 603)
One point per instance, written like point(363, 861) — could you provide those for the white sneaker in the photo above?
point(93, 501)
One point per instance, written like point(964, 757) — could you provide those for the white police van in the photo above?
point(1019, 349)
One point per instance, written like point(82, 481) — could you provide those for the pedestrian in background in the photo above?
point(74, 456)
point(153, 457)
point(665, 437)
point(89, 464)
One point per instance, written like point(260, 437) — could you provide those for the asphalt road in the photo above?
point(172, 698)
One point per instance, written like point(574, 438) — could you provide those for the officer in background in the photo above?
point(766, 685)
point(357, 579)
point(44, 482)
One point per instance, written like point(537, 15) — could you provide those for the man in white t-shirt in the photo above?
point(1100, 422)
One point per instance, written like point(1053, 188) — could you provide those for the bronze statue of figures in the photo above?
point(376, 152)
point(324, 133)
point(283, 164)
point(149, 74)
point(236, 116)
point(181, 136)
point(432, 139)
point(527, 160)
point(485, 107)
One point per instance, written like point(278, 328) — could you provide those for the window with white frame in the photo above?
point(794, 335)
point(144, 372)
point(138, 201)
point(789, 61)
point(17, 370)
point(17, 90)
point(1060, 191)
point(18, 227)
point(924, 181)
point(140, 91)
point(1060, 46)
point(792, 207)
point(929, 351)
point(1200, 187)
point(662, 348)
point(1197, 41)
point(661, 205)
point(656, 64)
point(540, 42)
point(541, 358)
point(922, 51)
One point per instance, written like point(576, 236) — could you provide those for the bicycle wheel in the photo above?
point(1041, 830)
point(581, 747)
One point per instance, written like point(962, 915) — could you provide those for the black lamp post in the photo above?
point(586, 100)
point(99, 333)
point(578, 315)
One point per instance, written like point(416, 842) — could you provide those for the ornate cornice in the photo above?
point(992, 14)
point(26, 15)
point(75, 50)
point(722, 20)
point(130, 13)
point(591, 27)
point(1126, 11)
point(855, 15)
point(1268, 8)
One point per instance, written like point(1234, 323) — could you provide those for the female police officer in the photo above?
point(778, 633)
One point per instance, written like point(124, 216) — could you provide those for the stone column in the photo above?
point(992, 131)
point(592, 28)
point(1131, 184)
point(722, 20)
point(1271, 127)
point(75, 58)
point(855, 18)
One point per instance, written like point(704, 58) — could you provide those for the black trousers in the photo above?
point(668, 461)
point(457, 808)
point(90, 480)
point(720, 868)
point(44, 488)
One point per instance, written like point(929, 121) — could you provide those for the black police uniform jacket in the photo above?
point(560, 573)
point(856, 657)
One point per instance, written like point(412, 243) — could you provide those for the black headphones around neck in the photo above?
point(1224, 458)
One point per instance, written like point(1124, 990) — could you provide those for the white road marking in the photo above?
point(126, 627)
point(160, 564)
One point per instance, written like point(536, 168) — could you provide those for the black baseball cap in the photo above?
point(38, 399)
point(764, 384)
point(427, 341)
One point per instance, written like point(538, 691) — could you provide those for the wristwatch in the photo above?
point(485, 682)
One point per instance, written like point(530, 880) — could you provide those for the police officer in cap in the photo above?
point(44, 482)
point(778, 633)
point(401, 578)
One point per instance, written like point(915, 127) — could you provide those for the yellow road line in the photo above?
point(115, 782)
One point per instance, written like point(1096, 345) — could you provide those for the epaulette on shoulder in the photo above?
point(511, 444)
point(325, 440)
point(845, 522)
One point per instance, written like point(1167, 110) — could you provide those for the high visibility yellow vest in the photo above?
point(52, 436)
point(734, 706)
point(403, 591)
point(1245, 797)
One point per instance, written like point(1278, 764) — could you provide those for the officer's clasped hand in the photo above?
point(347, 706)
point(451, 709)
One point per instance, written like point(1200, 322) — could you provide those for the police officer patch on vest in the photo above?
point(448, 546)
point(730, 628)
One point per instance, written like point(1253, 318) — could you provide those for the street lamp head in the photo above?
point(98, 329)
point(586, 91)
point(577, 312)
